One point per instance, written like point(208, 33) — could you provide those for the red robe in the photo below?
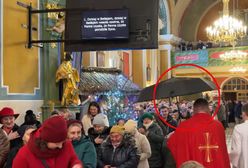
point(204, 143)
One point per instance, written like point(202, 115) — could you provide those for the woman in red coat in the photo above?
point(48, 148)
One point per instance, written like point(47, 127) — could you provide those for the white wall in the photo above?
point(21, 106)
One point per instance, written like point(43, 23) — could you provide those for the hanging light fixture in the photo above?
point(226, 28)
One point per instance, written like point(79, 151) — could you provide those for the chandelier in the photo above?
point(237, 70)
point(234, 55)
point(226, 28)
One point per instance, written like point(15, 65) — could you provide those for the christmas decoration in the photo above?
point(116, 105)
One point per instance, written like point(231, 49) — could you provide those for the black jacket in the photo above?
point(156, 140)
point(93, 135)
point(124, 156)
point(165, 128)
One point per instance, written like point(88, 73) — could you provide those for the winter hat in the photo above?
point(54, 129)
point(30, 118)
point(130, 126)
point(99, 120)
point(147, 115)
point(7, 111)
point(117, 129)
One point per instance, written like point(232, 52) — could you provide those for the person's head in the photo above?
point(191, 164)
point(53, 132)
point(24, 132)
point(164, 111)
point(54, 113)
point(245, 111)
point(98, 123)
point(7, 117)
point(64, 112)
point(147, 118)
point(130, 126)
point(121, 121)
point(94, 109)
point(75, 130)
point(201, 106)
point(30, 118)
point(175, 114)
point(116, 135)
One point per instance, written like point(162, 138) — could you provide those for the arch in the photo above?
point(235, 88)
point(164, 17)
point(233, 82)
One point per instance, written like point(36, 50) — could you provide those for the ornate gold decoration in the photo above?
point(234, 55)
point(53, 45)
point(237, 69)
point(70, 77)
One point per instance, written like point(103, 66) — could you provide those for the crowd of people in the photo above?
point(183, 135)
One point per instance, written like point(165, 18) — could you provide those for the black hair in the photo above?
point(95, 104)
point(201, 104)
point(41, 144)
point(163, 107)
point(55, 112)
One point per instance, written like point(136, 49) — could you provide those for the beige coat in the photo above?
point(144, 149)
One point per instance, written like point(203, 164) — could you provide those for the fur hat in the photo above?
point(130, 126)
point(54, 130)
point(99, 119)
point(117, 129)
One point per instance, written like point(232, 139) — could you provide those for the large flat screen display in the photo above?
point(96, 25)
point(105, 24)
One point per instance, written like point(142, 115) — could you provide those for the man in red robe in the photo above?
point(201, 139)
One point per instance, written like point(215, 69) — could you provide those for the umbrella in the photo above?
point(176, 87)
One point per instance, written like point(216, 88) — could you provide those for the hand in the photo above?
point(77, 166)
point(13, 135)
point(168, 136)
point(107, 166)
point(142, 130)
point(98, 140)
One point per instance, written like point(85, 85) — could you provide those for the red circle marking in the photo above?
point(174, 67)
